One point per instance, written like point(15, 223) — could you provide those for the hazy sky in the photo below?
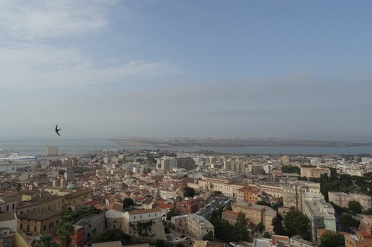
point(170, 68)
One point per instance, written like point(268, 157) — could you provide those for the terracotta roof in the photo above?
point(6, 216)
point(364, 234)
point(164, 205)
point(277, 238)
point(144, 211)
point(39, 214)
point(117, 206)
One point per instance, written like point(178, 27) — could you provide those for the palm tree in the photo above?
point(45, 241)
point(65, 232)
point(18, 187)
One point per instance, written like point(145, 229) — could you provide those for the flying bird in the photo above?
point(57, 130)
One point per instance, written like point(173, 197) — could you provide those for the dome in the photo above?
point(71, 186)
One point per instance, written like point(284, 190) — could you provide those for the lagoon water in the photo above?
point(38, 147)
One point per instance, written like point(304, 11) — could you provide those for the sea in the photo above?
point(81, 146)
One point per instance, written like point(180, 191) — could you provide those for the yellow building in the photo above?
point(71, 195)
point(39, 221)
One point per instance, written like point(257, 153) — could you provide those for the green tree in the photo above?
point(349, 221)
point(240, 227)
point(368, 211)
point(291, 169)
point(64, 232)
point(128, 202)
point(172, 212)
point(45, 241)
point(355, 207)
point(296, 223)
point(277, 224)
point(18, 187)
point(209, 236)
point(260, 227)
point(161, 243)
point(188, 192)
point(331, 239)
point(112, 235)
point(266, 235)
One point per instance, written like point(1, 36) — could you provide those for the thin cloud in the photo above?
point(41, 19)
point(41, 67)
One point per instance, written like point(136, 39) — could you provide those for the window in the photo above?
point(21, 226)
point(35, 228)
point(44, 227)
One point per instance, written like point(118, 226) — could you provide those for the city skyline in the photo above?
point(173, 69)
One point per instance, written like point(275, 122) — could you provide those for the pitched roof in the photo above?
point(39, 214)
point(6, 216)
point(144, 211)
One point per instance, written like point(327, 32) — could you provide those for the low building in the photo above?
point(359, 239)
point(202, 243)
point(8, 204)
point(8, 224)
point(193, 225)
point(78, 239)
point(189, 206)
point(366, 224)
point(180, 223)
point(342, 199)
point(298, 241)
point(144, 224)
point(314, 172)
point(93, 224)
point(198, 227)
point(39, 222)
point(230, 216)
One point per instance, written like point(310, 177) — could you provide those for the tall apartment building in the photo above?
point(185, 163)
point(320, 213)
point(166, 163)
point(235, 165)
point(285, 159)
point(342, 199)
point(51, 151)
point(69, 175)
point(292, 193)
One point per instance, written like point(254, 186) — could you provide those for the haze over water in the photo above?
point(38, 147)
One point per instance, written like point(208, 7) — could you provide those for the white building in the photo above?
point(145, 223)
point(320, 213)
point(8, 224)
